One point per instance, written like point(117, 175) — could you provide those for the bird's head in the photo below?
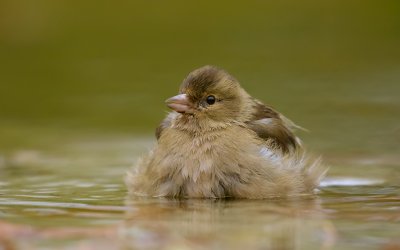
point(209, 92)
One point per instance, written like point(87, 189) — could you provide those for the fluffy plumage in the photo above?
point(220, 142)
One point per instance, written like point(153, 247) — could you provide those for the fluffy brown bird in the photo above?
point(220, 142)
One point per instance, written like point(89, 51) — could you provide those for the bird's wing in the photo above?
point(271, 125)
point(164, 124)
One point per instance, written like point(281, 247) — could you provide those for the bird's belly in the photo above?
point(206, 166)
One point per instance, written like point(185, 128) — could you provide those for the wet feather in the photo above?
point(236, 147)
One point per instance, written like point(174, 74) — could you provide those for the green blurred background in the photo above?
point(106, 67)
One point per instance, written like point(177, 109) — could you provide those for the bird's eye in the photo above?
point(210, 99)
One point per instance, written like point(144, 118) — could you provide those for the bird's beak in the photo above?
point(180, 103)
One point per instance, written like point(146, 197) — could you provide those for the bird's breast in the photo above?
point(205, 152)
point(206, 165)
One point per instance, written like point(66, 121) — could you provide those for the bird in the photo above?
point(220, 142)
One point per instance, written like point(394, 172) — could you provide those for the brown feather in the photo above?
point(164, 124)
point(268, 124)
point(273, 128)
point(198, 81)
point(236, 147)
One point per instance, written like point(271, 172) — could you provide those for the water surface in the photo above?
point(72, 195)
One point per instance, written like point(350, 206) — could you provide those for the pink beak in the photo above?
point(180, 103)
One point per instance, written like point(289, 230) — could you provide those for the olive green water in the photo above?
point(82, 88)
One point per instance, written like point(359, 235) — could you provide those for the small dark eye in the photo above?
point(210, 99)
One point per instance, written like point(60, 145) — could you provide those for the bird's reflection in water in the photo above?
point(226, 224)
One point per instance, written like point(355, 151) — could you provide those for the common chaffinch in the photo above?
point(218, 141)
